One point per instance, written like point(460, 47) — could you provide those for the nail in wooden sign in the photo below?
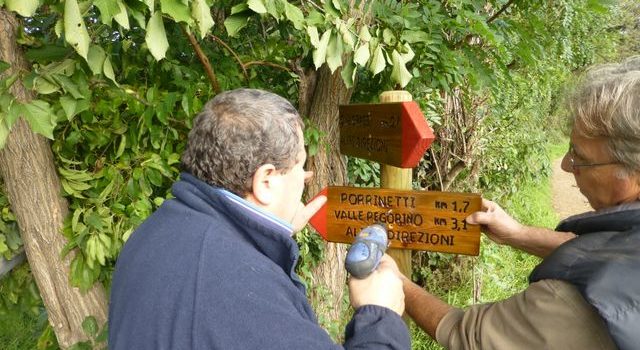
point(396, 134)
point(418, 220)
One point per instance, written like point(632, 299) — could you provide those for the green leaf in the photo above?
point(156, 37)
point(362, 55)
point(4, 132)
point(388, 37)
point(320, 53)
point(122, 17)
point(274, 8)
point(94, 220)
point(39, 116)
point(90, 326)
point(334, 52)
point(235, 23)
point(108, 70)
point(14, 111)
point(294, 14)
point(95, 59)
point(415, 36)
point(69, 106)
point(202, 15)
point(315, 18)
point(177, 9)
point(75, 175)
point(4, 66)
point(75, 218)
point(8, 81)
point(47, 53)
point(348, 74)
point(66, 67)
point(3, 247)
point(337, 5)
point(58, 28)
point(408, 53)
point(377, 61)
point(75, 31)
point(239, 8)
point(68, 85)
point(44, 86)
point(348, 42)
point(108, 9)
point(257, 6)
point(140, 19)
point(314, 39)
point(364, 34)
point(123, 145)
point(399, 73)
point(150, 5)
point(25, 8)
point(82, 105)
point(154, 176)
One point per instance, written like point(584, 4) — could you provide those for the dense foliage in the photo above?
point(118, 83)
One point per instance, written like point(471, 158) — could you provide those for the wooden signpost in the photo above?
point(391, 133)
point(396, 134)
point(418, 220)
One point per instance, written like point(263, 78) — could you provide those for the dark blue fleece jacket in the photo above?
point(209, 271)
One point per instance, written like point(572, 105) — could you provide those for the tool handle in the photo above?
point(365, 253)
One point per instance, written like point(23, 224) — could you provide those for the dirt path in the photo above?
point(566, 197)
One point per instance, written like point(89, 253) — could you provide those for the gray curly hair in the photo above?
point(237, 132)
point(607, 104)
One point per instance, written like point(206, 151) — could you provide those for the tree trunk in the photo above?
point(33, 188)
point(329, 168)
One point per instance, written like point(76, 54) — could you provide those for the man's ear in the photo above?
point(264, 184)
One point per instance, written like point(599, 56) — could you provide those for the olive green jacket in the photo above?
point(549, 314)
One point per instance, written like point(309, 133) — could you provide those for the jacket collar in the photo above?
point(619, 218)
point(268, 234)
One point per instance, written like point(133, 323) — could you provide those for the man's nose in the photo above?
point(566, 163)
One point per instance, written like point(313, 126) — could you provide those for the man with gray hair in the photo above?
point(585, 294)
point(214, 267)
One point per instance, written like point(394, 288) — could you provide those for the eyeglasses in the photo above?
point(571, 154)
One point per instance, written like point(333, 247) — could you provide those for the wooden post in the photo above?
point(399, 179)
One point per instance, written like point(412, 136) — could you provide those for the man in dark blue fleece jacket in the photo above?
point(213, 268)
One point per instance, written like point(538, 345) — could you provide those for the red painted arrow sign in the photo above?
point(420, 220)
point(396, 134)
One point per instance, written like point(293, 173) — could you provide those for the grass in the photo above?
point(499, 271)
point(18, 331)
point(20, 325)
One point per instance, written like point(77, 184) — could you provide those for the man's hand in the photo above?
point(499, 226)
point(503, 229)
point(305, 212)
point(383, 287)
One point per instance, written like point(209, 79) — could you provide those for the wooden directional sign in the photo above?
point(419, 220)
point(392, 133)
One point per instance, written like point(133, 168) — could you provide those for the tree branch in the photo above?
point(491, 19)
point(500, 11)
point(204, 60)
point(233, 53)
point(264, 63)
point(452, 174)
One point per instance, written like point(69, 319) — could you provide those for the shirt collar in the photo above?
point(256, 212)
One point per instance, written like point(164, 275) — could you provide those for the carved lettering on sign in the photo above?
point(392, 133)
point(433, 221)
